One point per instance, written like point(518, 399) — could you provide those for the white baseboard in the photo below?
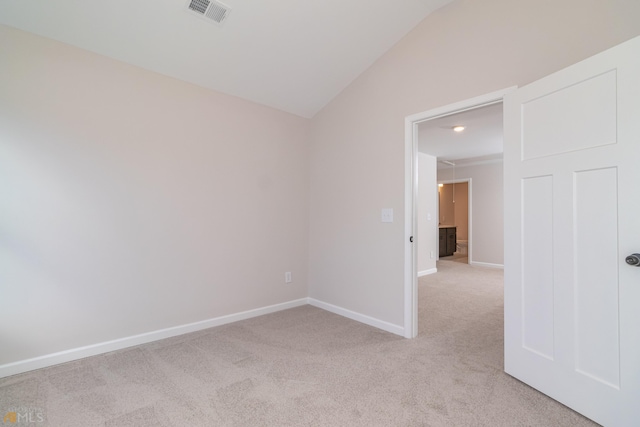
point(367, 320)
point(427, 272)
point(487, 264)
point(121, 343)
point(105, 347)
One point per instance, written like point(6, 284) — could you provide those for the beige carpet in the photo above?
point(457, 257)
point(307, 367)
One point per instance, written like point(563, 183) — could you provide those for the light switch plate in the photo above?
point(387, 215)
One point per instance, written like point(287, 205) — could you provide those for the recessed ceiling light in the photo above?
point(458, 128)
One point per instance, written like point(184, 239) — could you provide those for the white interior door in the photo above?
point(572, 215)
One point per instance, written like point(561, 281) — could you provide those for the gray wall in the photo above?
point(427, 214)
point(133, 202)
point(487, 235)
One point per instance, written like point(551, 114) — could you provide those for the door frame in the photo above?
point(469, 212)
point(410, 195)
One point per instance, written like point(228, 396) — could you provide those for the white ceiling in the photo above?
point(294, 55)
point(480, 141)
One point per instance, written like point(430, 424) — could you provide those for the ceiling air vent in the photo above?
point(210, 9)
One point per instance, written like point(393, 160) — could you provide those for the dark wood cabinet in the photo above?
point(447, 241)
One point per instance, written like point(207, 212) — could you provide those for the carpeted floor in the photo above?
point(457, 257)
point(307, 367)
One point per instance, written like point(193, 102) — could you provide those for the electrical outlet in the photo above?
point(287, 277)
point(432, 255)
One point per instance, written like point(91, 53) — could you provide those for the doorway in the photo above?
point(412, 220)
point(454, 220)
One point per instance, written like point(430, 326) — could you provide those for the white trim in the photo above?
point(427, 272)
point(486, 264)
point(410, 228)
point(482, 162)
point(367, 320)
point(118, 344)
point(479, 162)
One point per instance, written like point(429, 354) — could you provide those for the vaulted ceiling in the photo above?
point(293, 55)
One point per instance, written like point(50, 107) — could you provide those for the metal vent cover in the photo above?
point(211, 9)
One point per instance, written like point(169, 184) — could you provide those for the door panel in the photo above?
point(596, 273)
point(572, 203)
point(554, 123)
point(537, 266)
